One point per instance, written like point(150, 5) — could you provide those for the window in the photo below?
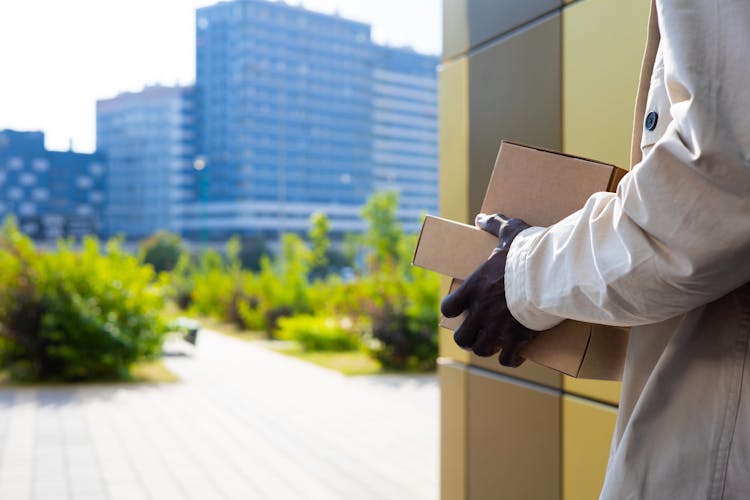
point(15, 163)
point(40, 165)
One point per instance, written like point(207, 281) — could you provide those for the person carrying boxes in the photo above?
point(668, 255)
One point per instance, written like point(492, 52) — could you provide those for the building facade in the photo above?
point(301, 112)
point(293, 112)
point(405, 131)
point(52, 194)
point(149, 139)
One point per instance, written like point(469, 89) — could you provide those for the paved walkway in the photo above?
point(245, 423)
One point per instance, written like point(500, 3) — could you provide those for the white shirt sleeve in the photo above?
point(676, 235)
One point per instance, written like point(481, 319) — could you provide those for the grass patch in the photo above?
point(151, 372)
point(348, 362)
point(229, 329)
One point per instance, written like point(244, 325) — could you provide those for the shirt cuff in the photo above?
point(516, 295)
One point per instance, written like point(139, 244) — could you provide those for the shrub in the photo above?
point(162, 250)
point(75, 315)
point(281, 287)
point(182, 282)
point(404, 329)
point(252, 249)
point(403, 299)
point(320, 333)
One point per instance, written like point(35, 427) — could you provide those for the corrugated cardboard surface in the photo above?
point(455, 248)
point(542, 188)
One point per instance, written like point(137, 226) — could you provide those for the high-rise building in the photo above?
point(301, 112)
point(292, 112)
point(405, 130)
point(51, 193)
point(285, 103)
point(149, 139)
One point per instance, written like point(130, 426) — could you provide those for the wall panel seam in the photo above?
point(505, 35)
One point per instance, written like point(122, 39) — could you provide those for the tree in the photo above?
point(384, 233)
point(252, 249)
point(162, 250)
point(319, 244)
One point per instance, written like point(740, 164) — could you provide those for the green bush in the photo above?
point(75, 315)
point(320, 333)
point(393, 304)
point(280, 289)
point(162, 250)
point(182, 282)
point(212, 293)
point(254, 301)
point(404, 329)
point(403, 300)
point(252, 249)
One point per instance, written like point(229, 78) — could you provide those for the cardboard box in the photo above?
point(540, 187)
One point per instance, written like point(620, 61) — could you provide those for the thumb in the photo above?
point(457, 302)
point(491, 223)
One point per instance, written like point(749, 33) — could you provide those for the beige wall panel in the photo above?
point(448, 348)
point(514, 93)
point(513, 439)
point(587, 431)
point(453, 409)
point(601, 390)
point(468, 23)
point(455, 28)
point(527, 371)
point(603, 43)
point(453, 84)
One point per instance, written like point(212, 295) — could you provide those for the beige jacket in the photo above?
point(668, 254)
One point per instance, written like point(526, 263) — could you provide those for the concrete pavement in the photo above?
point(245, 423)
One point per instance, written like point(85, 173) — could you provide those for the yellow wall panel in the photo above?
point(514, 94)
point(453, 442)
point(603, 43)
point(453, 82)
point(514, 439)
point(601, 390)
point(448, 348)
point(586, 433)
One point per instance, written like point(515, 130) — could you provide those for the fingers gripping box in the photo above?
point(541, 187)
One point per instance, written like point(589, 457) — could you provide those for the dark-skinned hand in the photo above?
point(489, 326)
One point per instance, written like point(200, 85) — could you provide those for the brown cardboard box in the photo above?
point(541, 187)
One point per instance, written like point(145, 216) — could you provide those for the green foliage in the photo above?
point(252, 249)
point(162, 250)
point(320, 333)
point(295, 295)
point(254, 301)
point(212, 288)
point(403, 299)
point(75, 315)
point(182, 281)
point(384, 232)
point(404, 328)
point(282, 286)
point(319, 244)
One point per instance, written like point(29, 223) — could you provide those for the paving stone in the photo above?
point(245, 423)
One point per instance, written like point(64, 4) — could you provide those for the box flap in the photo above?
point(541, 187)
point(605, 355)
point(439, 250)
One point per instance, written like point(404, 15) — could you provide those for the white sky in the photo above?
point(57, 57)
